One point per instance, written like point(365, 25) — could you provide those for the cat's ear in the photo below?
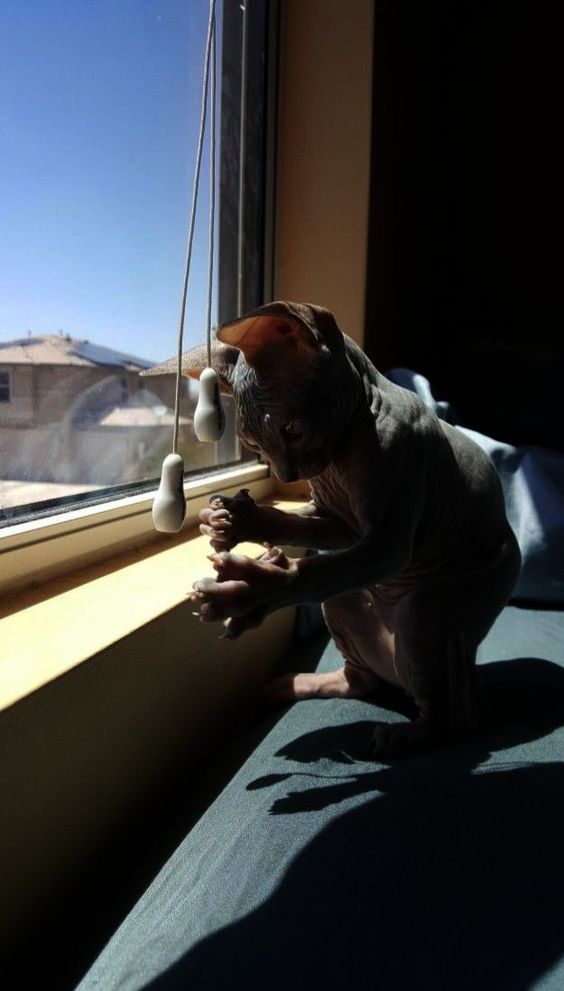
point(282, 331)
point(224, 359)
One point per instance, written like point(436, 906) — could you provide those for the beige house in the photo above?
point(76, 413)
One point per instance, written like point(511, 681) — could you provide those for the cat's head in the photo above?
point(286, 367)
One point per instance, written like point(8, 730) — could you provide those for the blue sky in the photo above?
point(99, 110)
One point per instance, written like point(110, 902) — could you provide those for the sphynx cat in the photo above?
point(420, 557)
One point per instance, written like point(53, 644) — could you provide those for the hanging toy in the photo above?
point(209, 419)
point(169, 507)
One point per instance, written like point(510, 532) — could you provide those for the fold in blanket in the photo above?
point(533, 484)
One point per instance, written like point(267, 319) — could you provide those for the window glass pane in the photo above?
point(4, 387)
point(100, 111)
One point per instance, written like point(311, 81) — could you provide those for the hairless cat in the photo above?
point(419, 556)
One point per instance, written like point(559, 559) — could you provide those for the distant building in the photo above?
point(78, 413)
point(42, 377)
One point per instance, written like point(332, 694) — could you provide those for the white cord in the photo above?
point(169, 506)
point(212, 196)
point(209, 61)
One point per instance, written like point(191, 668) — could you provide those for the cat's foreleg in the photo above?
point(246, 590)
point(230, 520)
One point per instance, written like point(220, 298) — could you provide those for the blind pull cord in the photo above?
point(169, 507)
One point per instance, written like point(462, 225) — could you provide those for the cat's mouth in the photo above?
point(295, 472)
point(288, 475)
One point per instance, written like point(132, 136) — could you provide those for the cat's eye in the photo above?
point(293, 430)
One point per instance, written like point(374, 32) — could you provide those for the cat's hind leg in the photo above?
point(362, 634)
point(437, 635)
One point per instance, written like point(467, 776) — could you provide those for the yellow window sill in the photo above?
point(47, 630)
point(108, 685)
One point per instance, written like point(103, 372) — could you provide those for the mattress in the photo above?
point(319, 868)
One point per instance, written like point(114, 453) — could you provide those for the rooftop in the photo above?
point(59, 349)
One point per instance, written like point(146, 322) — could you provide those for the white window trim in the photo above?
point(41, 549)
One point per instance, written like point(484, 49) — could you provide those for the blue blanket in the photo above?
point(533, 484)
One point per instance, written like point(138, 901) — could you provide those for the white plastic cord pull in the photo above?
point(209, 418)
point(169, 507)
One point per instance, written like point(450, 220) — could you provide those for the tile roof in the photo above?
point(58, 349)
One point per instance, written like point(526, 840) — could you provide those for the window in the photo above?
point(5, 387)
point(101, 111)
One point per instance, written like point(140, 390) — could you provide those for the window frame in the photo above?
point(72, 537)
point(6, 385)
point(39, 550)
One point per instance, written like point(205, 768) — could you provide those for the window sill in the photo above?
point(42, 549)
point(108, 685)
point(49, 629)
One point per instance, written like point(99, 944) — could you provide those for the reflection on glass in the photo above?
point(81, 418)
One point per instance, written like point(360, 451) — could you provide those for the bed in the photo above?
point(318, 868)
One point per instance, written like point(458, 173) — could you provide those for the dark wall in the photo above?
point(462, 273)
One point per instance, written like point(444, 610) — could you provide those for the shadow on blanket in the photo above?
point(450, 875)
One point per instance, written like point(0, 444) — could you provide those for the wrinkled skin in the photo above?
point(419, 557)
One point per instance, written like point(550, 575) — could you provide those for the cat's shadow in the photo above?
point(527, 697)
point(440, 871)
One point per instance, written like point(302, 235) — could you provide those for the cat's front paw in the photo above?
point(244, 590)
point(229, 520)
